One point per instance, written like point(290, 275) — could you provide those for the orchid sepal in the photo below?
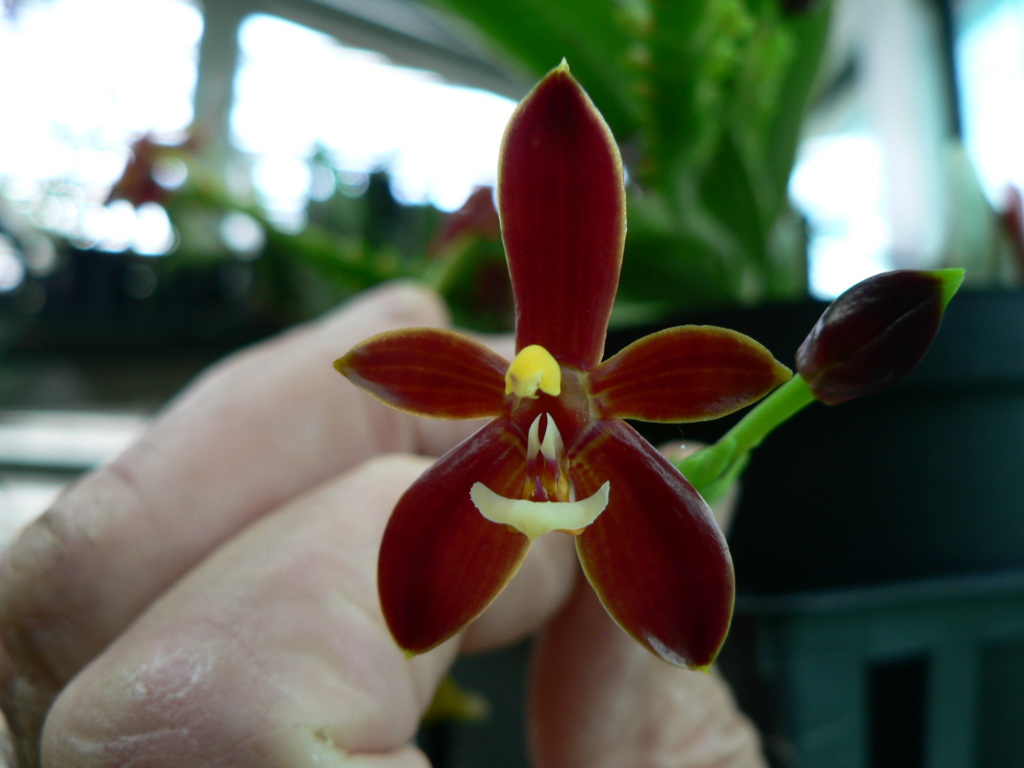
point(562, 207)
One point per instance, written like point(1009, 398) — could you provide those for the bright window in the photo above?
point(850, 236)
point(83, 79)
point(95, 75)
point(298, 90)
point(990, 57)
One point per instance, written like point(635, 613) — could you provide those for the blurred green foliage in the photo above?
point(706, 98)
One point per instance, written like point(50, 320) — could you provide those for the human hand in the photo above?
point(209, 598)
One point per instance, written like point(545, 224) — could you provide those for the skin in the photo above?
point(209, 598)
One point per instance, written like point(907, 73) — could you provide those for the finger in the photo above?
point(247, 436)
point(599, 699)
point(273, 652)
point(270, 647)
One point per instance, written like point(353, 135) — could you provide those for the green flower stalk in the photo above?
point(870, 337)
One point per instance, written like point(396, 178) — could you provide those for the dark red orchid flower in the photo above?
point(556, 454)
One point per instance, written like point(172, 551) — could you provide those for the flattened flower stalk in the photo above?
point(556, 454)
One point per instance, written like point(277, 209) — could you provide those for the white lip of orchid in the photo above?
point(534, 518)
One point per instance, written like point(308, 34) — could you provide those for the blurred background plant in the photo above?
point(706, 100)
point(709, 101)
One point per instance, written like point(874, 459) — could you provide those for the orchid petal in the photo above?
point(687, 373)
point(563, 219)
point(535, 518)
point(441, 562)
point(429, 372)
point(655, 556)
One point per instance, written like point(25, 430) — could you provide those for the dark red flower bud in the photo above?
point(875, 333)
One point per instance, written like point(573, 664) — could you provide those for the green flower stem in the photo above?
point(713, 469)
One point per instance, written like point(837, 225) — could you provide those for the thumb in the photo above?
point(601, 700)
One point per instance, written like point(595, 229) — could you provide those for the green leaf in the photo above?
point(729, 85)
point(596, 37)
point(693, 52)
point(728, 194)
point(663, 271)
point(809, 33)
